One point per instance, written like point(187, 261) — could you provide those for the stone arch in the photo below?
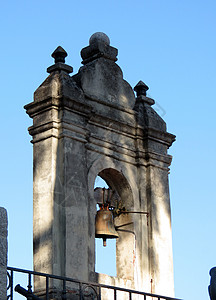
point(111, 170)
point(116, 176)
point(117, 181)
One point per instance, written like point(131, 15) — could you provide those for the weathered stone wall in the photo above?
point(3, 253)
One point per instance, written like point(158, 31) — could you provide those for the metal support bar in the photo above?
point(119, 212)
point(30, 296)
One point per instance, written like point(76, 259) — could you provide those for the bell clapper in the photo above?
point(104, 242)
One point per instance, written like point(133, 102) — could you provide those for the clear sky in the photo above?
point(171, 46)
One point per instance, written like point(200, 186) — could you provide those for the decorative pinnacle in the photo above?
point(99, 36)
point(141, 88)
point(59, 55)
point(99, 46)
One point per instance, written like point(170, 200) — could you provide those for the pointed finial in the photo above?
point(141, 88)
point(59, 55)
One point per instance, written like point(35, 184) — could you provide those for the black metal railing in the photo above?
point(83, 290)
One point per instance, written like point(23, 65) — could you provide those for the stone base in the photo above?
point(70, 294)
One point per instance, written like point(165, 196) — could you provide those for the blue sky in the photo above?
point(168, 44)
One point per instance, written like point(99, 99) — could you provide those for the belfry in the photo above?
point(92, 124)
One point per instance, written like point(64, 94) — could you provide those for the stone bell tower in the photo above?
point(92, 124)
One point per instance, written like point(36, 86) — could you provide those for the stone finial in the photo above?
point(59, 55)
point(141, 88)
point(99, 36)
point(99, 46)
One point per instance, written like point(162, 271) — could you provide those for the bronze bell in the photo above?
point(104, 225)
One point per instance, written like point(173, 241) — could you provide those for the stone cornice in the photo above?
point(36, 107)
point(162, 137)
point(97, 119)
point(58, 130)
point(151, 157)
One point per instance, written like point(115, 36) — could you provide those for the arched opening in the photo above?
point(119, 257)
point(105, 257)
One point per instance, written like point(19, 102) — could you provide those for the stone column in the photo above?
point(3, 253)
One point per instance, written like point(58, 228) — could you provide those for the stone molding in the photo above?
point(59, 128)
point(35, 108)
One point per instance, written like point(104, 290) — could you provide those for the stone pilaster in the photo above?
point(153, 142)
point(3, 253)
point(60, 219)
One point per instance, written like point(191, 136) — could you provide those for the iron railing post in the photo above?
point(47, 288)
